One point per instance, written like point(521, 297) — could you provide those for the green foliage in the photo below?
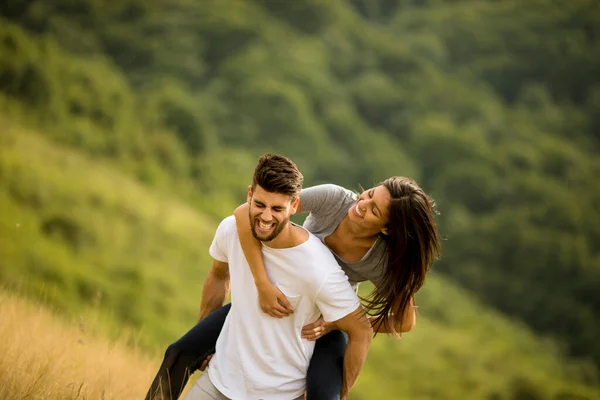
point(491, 105)
point(82, 235)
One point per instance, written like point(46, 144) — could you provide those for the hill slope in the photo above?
point(491, 105)
point(85, 236)
point(80, 233)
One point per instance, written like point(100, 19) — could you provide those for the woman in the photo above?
point(387, 235)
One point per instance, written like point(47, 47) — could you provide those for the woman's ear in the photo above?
point(384, 231)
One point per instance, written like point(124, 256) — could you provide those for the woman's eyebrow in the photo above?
point(376, 206)
point(378, 210)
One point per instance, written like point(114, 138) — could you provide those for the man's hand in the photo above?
point(205, 363)
point(272, 300)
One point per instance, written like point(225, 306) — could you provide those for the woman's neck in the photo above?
point(351, 231)
point(349, 241)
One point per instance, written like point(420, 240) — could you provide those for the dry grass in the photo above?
point(43, 357)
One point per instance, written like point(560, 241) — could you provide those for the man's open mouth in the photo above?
point(265, 226)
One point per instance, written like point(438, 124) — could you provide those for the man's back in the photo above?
point(258, 356)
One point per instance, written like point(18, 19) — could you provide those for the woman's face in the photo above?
point(371, 209)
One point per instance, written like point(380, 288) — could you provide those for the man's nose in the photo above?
point(267, 215)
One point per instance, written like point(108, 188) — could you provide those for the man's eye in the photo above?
point(370, 194)
point(373, 211)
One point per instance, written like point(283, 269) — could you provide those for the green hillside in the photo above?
point(83, 236)
point(149, 115)
point(80, 234)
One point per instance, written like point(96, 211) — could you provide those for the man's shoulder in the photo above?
point(319, 256)
point(229, 220)
point(227, 226)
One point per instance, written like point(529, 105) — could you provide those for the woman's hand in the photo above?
point(272, 301)
point(316, 329)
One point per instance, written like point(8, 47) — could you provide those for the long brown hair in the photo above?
point(413, 244)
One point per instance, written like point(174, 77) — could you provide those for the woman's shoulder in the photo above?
point(327, 190)
point(324, 198)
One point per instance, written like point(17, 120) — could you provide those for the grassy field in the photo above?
point(47, 356)
point(44, 357)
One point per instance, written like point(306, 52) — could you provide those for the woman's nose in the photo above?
point(362, 206)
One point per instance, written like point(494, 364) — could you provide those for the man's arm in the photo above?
point(216, 288)
point(360, 333)
point(409, 320)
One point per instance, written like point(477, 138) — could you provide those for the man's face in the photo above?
point(269, 212)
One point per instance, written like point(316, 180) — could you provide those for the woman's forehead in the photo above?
point(380, 191)
point(381, 197)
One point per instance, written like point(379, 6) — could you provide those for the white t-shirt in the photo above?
point(261, 357)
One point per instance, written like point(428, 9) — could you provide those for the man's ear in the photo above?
point(295, 204)
point(249, 199)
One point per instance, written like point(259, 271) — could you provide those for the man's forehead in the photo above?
point(270, 198)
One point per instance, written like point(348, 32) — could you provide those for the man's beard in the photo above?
point(278, 228)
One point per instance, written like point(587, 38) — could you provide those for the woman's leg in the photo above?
point(326, 368)
point(185, 356)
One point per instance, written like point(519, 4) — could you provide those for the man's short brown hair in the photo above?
point(277, 174)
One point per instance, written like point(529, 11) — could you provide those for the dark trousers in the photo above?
point(184, 357)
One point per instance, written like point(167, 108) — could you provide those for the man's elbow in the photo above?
point(362, 332)
point(407, 327)
point(408, 324)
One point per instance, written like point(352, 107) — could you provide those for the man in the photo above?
point(257, 356)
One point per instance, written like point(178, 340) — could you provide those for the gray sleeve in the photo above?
point(321, 198)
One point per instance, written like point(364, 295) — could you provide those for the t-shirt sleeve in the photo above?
point(218, 247)
point(336, 298)
point(320, 198)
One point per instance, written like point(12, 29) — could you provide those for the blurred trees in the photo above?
point(491, 105)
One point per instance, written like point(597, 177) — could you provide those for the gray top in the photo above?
point(328, 204)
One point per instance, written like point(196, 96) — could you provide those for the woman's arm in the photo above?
point(409, 319)
point(272, 301)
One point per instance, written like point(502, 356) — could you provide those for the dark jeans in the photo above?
point(184, 357)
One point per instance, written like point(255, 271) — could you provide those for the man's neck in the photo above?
point(290, 236)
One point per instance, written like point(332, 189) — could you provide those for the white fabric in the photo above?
point(261, 357)
point(203, 389)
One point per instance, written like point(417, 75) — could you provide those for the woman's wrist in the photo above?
point(262, 282)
